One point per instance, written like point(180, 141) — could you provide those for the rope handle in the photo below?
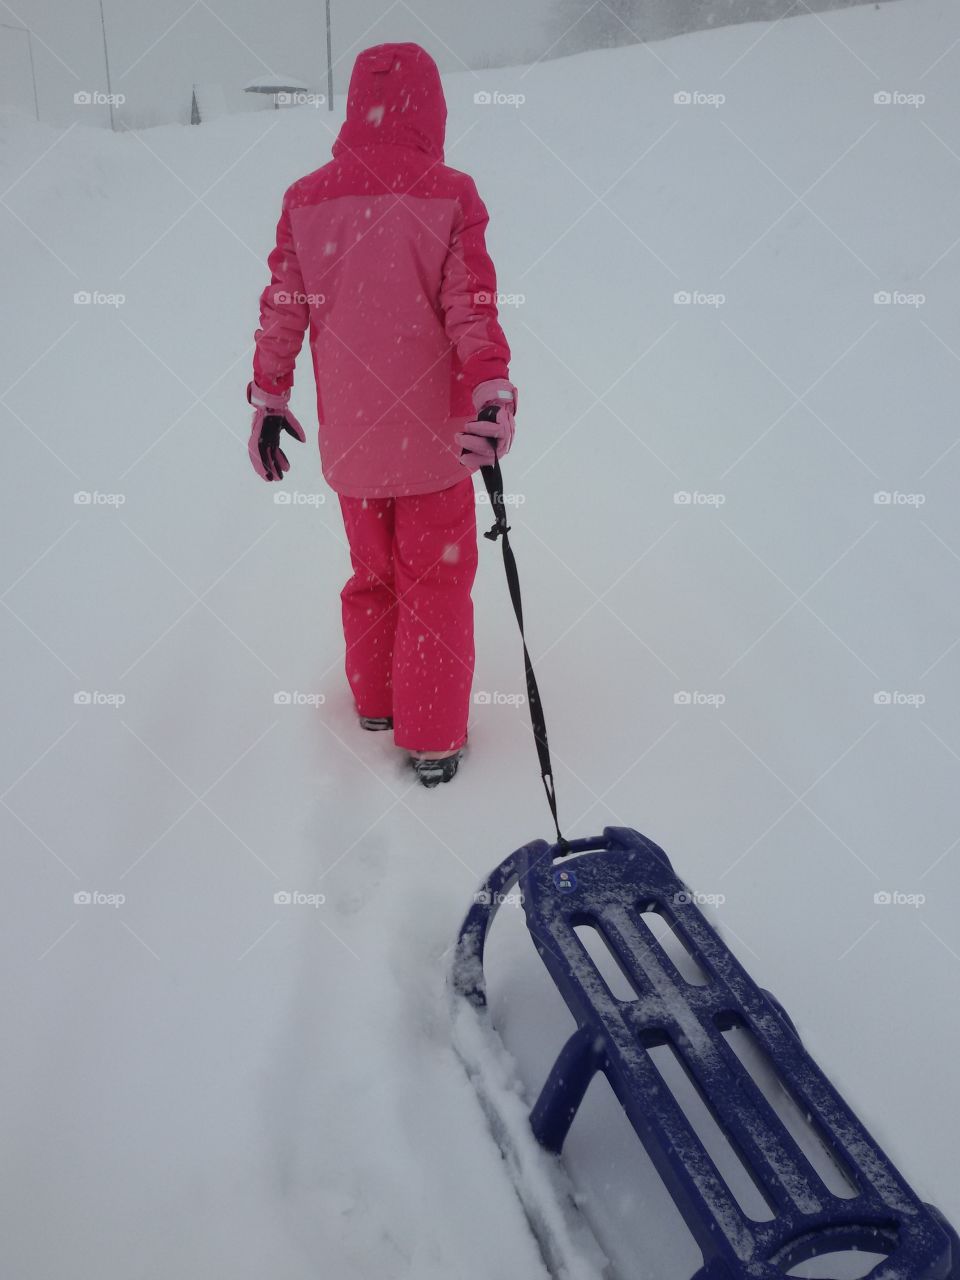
point(493, 480)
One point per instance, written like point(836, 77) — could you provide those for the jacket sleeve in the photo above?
point(468, 295)
point(284, 314)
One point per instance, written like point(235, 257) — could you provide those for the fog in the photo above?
point(160, 49)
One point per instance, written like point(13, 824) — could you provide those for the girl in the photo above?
point(381, 252)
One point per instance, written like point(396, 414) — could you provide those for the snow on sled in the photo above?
point(608, 883)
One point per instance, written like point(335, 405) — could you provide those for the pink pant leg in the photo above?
point(369, 603)
point(435, 563)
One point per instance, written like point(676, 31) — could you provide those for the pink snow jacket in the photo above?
point(382, 253)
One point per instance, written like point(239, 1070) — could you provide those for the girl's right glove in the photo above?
point(490, 435)
point(270, 417)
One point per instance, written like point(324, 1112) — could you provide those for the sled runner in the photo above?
point(609, 883)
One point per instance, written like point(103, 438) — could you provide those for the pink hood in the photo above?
point(395, 98)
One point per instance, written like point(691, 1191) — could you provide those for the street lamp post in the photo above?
point(106, 63)
point(33, 70)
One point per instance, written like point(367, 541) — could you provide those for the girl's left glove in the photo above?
point(270, 417)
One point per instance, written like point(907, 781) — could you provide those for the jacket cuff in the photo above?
point(260, 398)
point(498, 391)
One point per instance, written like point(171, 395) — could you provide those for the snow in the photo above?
point(200, 1080)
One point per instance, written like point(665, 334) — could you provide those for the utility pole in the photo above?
point(106, 63)
point(329, 61)
point(33, 70)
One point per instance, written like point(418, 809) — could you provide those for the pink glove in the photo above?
point(270, 417)
point(490, 435)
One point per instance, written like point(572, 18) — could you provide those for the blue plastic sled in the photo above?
point(614, 879)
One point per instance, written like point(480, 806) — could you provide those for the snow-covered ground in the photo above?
point(199, 1081)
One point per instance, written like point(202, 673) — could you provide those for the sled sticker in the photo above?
point(566, 881)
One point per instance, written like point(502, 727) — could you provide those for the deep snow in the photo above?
point(202, 1082)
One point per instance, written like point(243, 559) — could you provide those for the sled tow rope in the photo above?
point(493, 480)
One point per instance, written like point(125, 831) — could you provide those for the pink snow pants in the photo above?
point(407, 612)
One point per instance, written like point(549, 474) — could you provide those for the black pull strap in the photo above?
point(493, 480)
